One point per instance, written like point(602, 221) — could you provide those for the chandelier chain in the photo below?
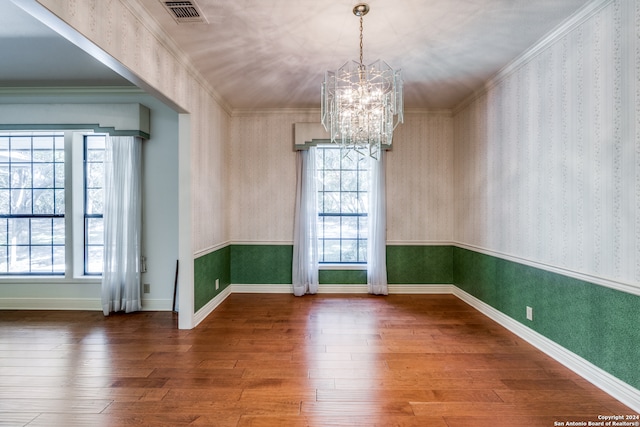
point(361, 41)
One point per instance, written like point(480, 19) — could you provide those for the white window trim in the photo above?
point(334, 265)
point(118, 118)
point(345, 266)
point(74, 216)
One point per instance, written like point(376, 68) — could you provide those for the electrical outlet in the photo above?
point(529, 313)
point(217, 284)
point(146, 288)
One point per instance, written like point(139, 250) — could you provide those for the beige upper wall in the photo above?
point(263, 177)
point(420, 172)
point(548, 160)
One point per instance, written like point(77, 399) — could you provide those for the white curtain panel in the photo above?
point(377, 239)
point(122, 225)
point(304, 269)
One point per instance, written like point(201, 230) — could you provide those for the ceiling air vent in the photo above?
point(185, 11)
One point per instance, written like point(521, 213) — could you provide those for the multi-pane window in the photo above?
point(94, 146)
point(343, 183)
point(51, 212)
point(32, 203)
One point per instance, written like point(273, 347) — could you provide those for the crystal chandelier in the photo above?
point(362, 104)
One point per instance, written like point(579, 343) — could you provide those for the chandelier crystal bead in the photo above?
point(362, 104)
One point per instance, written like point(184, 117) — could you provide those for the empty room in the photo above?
point(318, 213)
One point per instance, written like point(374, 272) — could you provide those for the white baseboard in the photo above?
point(156, 305)
point(261, 289)
point(393, 289)
point(421, 289)
point(618, 389)
point(89, 304)
point(210, 306)
point(342, 289)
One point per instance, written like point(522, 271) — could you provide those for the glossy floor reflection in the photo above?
point(278, 360)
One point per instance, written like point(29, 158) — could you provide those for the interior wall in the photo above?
point(130, 36)
point(420, 203)
point(548, 159)
point(548, 193)
point(209, 173)
point(138, 48)
point(263, 177)
point(160, 211)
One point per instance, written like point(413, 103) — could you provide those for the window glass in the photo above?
point(32, 236)
point(342, 204)
point(33, 228)
point(94, 146)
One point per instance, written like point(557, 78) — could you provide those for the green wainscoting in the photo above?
point(261, 264)
point(343, 277)
point(600, 324)
point(206, 269)
point(271, 264)
point(409, 265)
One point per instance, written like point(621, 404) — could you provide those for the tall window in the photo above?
point(32, 203)
point(94, 146)
point(342, 205)
point(51, 203)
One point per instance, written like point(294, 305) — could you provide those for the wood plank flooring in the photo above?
point(278, 360)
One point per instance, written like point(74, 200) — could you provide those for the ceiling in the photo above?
point(273, 54)
point(31, 54)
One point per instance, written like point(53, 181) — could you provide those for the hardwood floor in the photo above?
point(278, 360)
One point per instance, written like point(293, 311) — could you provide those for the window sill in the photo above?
point(330, 266)
point(50, 279)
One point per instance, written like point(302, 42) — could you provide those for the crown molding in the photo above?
point(240, 112)
point(243, 112)
point(447, 112)
point(570, 24)
point(70, 90)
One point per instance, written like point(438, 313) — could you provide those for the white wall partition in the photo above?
point(122, 35)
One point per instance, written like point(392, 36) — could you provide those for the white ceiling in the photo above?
point(31, 54)
point(273, 53)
